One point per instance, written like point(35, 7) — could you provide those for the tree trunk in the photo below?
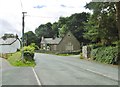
point(118, 17)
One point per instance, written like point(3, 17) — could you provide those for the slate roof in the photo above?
point(51, 41)
point(8, 41)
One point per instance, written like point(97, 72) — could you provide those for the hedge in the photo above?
point(107, 55)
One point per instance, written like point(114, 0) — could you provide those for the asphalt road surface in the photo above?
point(62, 70)
point(59, 70)
point(17, 75)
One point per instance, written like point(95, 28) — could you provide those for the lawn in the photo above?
point(15, 60)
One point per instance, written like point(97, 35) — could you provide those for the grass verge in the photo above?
point(5, 56)
point(15, 60)
point(64, 54)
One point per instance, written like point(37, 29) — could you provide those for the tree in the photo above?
point(30, 37)
point(118, 16)
point(55, 29)
point(91, 30)
point(44, 30)
point(104, 18)
point(7, 35)
point(74, 23)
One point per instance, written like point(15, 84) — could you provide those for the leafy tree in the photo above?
point(75, 23)
point(44, 30)
point(30, 37)
point(91, 30)
point(5, 36)
point(118, 16)
point(55, 29)
point(62, 21)
point(104, 22)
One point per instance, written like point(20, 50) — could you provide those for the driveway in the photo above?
point(64, 70)
point(16, 75)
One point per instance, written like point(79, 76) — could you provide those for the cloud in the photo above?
point(63, 5)
point(39, 6)
point(38, 12)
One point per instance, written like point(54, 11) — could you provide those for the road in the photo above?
point(17, 75)
point(59, 70)
point(62, 70)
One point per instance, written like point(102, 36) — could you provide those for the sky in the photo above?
point(38, 12)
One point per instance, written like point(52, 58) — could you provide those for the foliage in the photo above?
point(5, 36)
point(15, 60)
point(107, 55)
point(118, 16)
point(55, 29)
point(74, 23)
point(30, 37)
point(44, 30)
point(6, 55)
point(35, 46)
point(91, 30)
point(101, 26)
point(29, 53)
point(81, 56)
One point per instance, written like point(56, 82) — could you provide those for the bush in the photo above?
point(35, 46)
point(107, 55)
point(81, 56)
point(94, 46)
point(29, 53)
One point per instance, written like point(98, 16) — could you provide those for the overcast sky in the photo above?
point(38, 12)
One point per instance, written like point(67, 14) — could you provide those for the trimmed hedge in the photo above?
point(107, 55)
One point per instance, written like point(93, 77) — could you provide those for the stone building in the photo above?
point(68, 43)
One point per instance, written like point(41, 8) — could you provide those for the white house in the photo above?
point(9, 45)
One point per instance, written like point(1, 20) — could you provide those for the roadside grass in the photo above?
point(64, 54)
point(15, 60)
point(5, 55)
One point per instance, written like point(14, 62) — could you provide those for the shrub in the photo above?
point(107, 55)
point(35, 46)
point(94, 46)
point(29, 53)
point(81, 56)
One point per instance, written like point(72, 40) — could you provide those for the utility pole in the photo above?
point(23, 26)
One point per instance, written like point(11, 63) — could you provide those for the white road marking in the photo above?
point(101, 74)
point(38, 81)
